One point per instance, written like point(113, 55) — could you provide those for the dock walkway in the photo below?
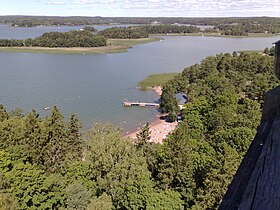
point(141, 104)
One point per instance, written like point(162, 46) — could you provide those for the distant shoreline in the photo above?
point(114, 46)
point(219, 35)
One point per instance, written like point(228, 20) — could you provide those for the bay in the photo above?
point(94, 86)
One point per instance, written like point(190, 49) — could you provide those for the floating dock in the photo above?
point(141, 104)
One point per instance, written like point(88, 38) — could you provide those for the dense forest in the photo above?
point(169, 29)
point(89, 28)
point(225, 96)
point(143, 31)
point(46, 163)
point(245, 29)
point(30, 21)
point(124, 33)
point(227, 26)
point(83, 38)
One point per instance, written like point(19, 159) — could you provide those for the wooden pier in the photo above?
point(140, 104)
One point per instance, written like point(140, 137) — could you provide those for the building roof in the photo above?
point(277, 42)
point(181, 97)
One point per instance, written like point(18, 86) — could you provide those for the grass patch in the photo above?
point(79, 50)
point(131, 42)
point(156, 80)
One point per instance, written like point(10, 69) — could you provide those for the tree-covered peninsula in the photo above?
point(124, 33)
point(75, 42)
point(47, 163)
point(143, 31)
point(59, 39)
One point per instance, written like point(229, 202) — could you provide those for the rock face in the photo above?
point(277, 60)
point(256, 184)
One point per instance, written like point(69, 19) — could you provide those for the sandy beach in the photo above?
point(159, 130)
point(157, 90)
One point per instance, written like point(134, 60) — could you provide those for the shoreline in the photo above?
point(157, 89)
point(63, 50)
point(114, 46)
point(159, 128)
point(251, 35)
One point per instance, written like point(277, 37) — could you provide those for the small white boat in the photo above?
point(47, 108)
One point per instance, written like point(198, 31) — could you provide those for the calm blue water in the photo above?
point(8, 32)
point(94, 86)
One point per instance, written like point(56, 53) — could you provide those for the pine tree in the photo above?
point(3, 113)
point(55, 142)
point(33, 138)
point(144, 136)
point(74, 140)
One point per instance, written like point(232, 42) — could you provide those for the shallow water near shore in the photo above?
point(94, 86)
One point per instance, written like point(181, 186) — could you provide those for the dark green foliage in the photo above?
point(32, 187)
point(270, 51)
point(144, 136)
point(3, 113)
point(47, 163)
point(121, 170)
point(249, 75)
point(59, 39)
point(74, 139)
point(251, 24)
point(169, 104)
point(234, 30)
point(163, 200)
point(33, 138)
point(11, 43)
point(175, 167)
point(77, 196)
point(54, 142)
point(90, 28)
point(124, 33)
point(169, 29)
point(103, 202)
point(220, 121)
point(137, 32)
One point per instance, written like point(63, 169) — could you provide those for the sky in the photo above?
point(142, 8)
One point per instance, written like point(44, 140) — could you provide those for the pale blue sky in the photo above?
point(142, 8)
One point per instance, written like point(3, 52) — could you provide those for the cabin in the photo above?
point(181, 98)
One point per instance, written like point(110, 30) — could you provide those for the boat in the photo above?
point(47, 108)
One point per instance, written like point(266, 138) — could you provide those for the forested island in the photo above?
point(65, 169)
point(79, 41)
point(59, 39)
point(117, 39)
point(143, 31)
point(238, 26)
point(104, 41)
